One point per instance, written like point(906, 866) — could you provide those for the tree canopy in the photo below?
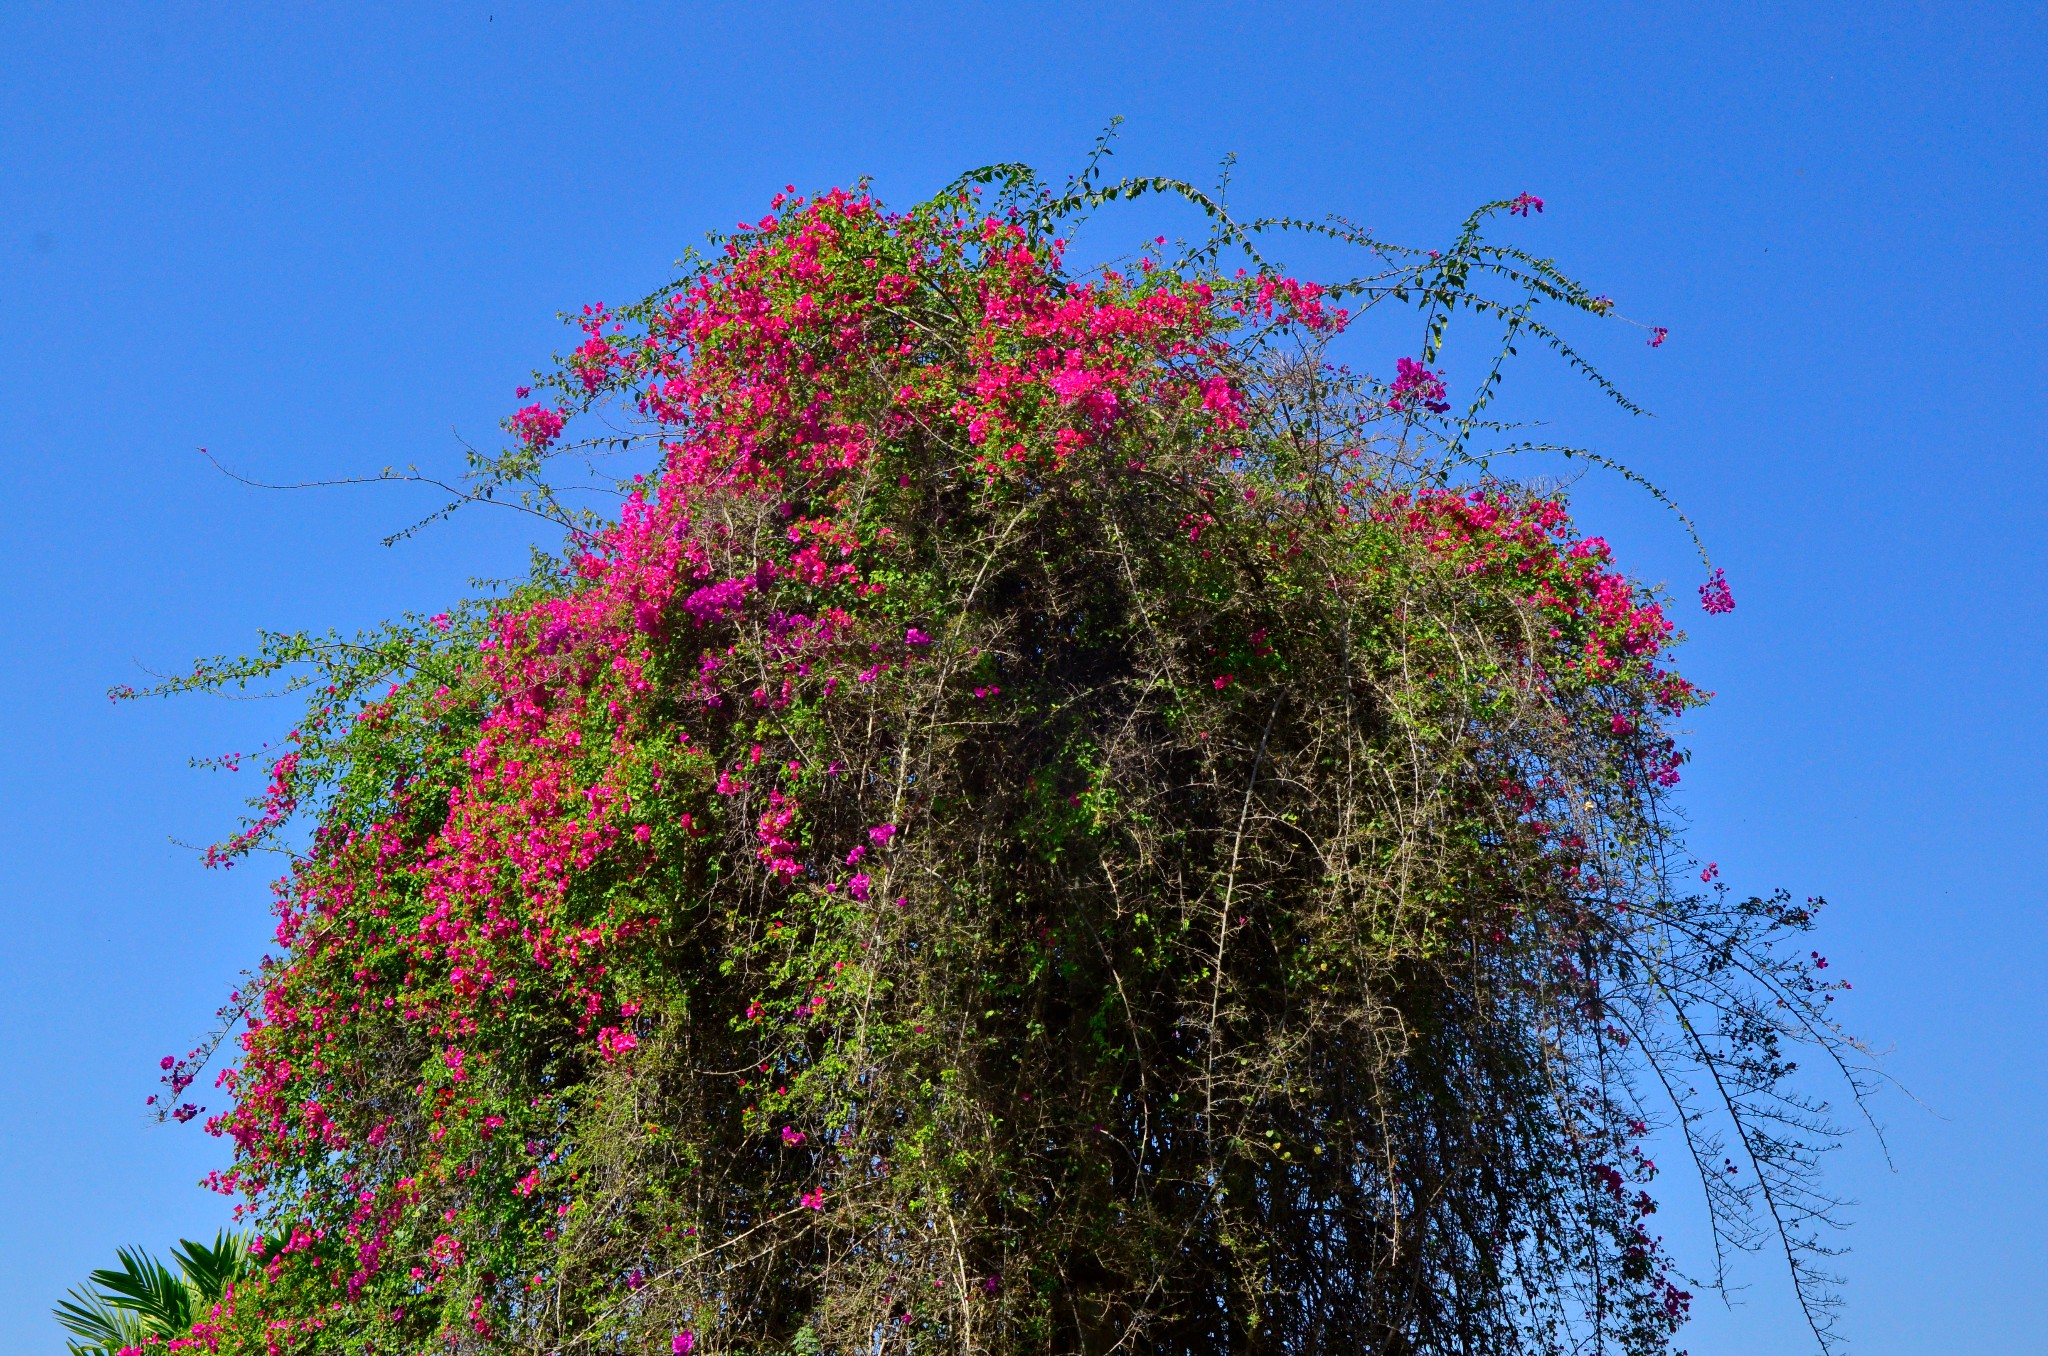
point(1053, 818)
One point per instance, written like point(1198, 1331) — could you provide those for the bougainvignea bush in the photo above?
point(1054, 818)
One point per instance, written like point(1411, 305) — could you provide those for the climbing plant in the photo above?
point(1052, 817)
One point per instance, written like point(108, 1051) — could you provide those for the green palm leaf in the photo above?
point(145, 1286)
point(105, 1328)
point(143, 1298)
point(210, 1268)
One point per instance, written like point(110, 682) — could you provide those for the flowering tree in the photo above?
point(1054, 818)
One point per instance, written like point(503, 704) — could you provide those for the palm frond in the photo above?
point(210, 1268)
point(106, 1329)
point(144, 1285)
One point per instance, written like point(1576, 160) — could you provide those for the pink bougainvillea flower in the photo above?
point(538, 426)
point(1415, 385)
point(1714, 595)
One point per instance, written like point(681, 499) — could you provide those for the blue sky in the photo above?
point(320, 240)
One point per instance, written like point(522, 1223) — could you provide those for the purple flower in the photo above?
point(715, 601)
point(1715, 597)
point(1415, 384)
point(554, 637)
